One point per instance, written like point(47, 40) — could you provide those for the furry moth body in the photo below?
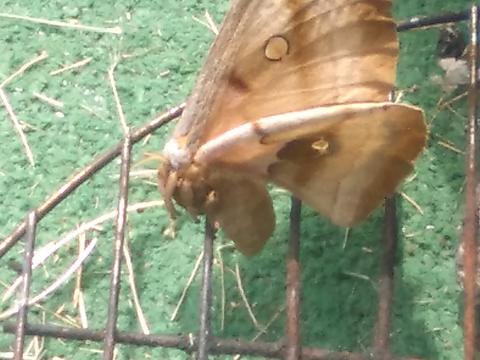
point(295, 93)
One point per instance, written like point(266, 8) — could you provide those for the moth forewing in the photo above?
point(211, 82)
point(276, 130)
point(293, 92)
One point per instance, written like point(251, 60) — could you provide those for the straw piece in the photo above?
point(18, 127)
point(56, 284)
point(73, 66)
point(187, 286)
point(117, 30)
point(48, 100)
point(412, 202)
point(244, 297)
point(131, 281)
point(42, 56)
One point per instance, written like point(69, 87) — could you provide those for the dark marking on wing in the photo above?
point(238, 84)
point(259, 131)
point(303, 153)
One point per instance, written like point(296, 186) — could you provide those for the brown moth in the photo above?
point(294, 93)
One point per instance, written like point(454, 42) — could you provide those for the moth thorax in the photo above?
point(276, 48)
point(192, 190)
point(321, 146)
point(177, 155)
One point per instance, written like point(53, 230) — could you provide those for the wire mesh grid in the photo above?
point(205, 343)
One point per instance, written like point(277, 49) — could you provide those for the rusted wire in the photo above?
point(271, 350)
point(86, 173)
point(206, 294)
point(427, 21)
point(470, 224)
point(111, 327)
point(381, 342)
point(25, 289)
point(293, 341)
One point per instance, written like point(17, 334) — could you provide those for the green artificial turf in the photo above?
point(166, 46)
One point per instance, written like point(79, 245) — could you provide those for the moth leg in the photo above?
point(167, 191)
point(211, 203)
point(170, 230)
point(211, 200)
point(166, 183)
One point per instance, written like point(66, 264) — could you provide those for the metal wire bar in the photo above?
point(293, 343)
point(206, 294)
point(470, 223)
point(86, 173)
point(273, 350)
point(381, 342)
point(427, 21)
point(25, 289)
point(111, 327)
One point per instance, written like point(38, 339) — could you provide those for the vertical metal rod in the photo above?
point(381, 340)
point(109, 344)
point(206, 295)
point(293, 349)
point(25, 290)
point(470, 226)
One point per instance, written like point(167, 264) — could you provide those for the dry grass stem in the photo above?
point(18, 127)
point(35, 349)
point(223, 298)
point(60, 317)
point(78, 298)
point(42, 56)
point(82, 238)
point(345, 238)
point(146, 139)
point(187, 286)
point(204, 23)
point(55, 284)
point(117, 30)
point(412, 202)
point(118, 104)
point(244, 297)
point(411, 178)
point(148, 157)
point(265, 329)
point(92, 111)
point(358, 276)
point(450, 147)
point(211, 24)
point(456, 113)
point(48, 100)
point(82, 310)
point(42, 254)
point(442, 104)
point(73, 66)
point(139, 174)
point(131, 281)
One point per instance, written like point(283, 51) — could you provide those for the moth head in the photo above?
point(170, 173)
point(186, 185)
